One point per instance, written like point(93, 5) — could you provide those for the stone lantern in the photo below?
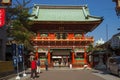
point(100, 65)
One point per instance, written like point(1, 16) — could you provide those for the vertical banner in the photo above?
point(19, 49)
point(14, 49)
point(20, 58)
point(2, 17)
point(15, 61)
point(20, 52)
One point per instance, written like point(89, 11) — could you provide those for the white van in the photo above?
point(113, 65)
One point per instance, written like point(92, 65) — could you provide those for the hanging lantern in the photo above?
point(6, 2)
point(2, 17)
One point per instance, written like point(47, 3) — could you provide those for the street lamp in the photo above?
point(6, 2)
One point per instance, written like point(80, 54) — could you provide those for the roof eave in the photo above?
point(60, 6)
point(68, 22)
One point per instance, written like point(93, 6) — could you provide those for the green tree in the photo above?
point(21, 23)
point(90, 48)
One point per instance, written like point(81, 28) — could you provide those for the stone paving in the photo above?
point(106, 75)
point(27, 77)
point(69, 74)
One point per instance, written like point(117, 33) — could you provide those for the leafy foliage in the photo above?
point(21, 24)
point(90, 48)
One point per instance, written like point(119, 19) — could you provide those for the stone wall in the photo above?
point(6, 66)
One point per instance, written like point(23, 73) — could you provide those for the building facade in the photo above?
point(115, 41)
point(60, 34)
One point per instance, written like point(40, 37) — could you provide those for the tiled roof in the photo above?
point(62, 13)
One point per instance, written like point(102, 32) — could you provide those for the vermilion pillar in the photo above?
point(85, 56)
point(49, 57)
point(73, 57)
point(36, 54)
point(38, 34)
point(83, 35)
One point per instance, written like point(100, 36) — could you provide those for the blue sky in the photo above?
point(102, 8)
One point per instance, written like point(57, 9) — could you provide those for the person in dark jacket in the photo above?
point(46, 65)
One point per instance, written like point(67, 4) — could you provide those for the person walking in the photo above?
point(38, 66)
point(65, 62)
point(59, 62)
point(33, 69)
point(46, 65)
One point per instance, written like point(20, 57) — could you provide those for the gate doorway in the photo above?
point(61, 57)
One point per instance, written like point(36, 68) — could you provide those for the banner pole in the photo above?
point(18, 77)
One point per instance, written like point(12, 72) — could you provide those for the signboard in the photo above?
point(2, 17)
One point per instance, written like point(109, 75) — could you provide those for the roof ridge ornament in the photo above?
point(86, 6)
point(37, 12)
point(84, 11)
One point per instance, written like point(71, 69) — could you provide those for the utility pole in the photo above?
point(106, 32)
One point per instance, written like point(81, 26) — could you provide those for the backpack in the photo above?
point(38, 62)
